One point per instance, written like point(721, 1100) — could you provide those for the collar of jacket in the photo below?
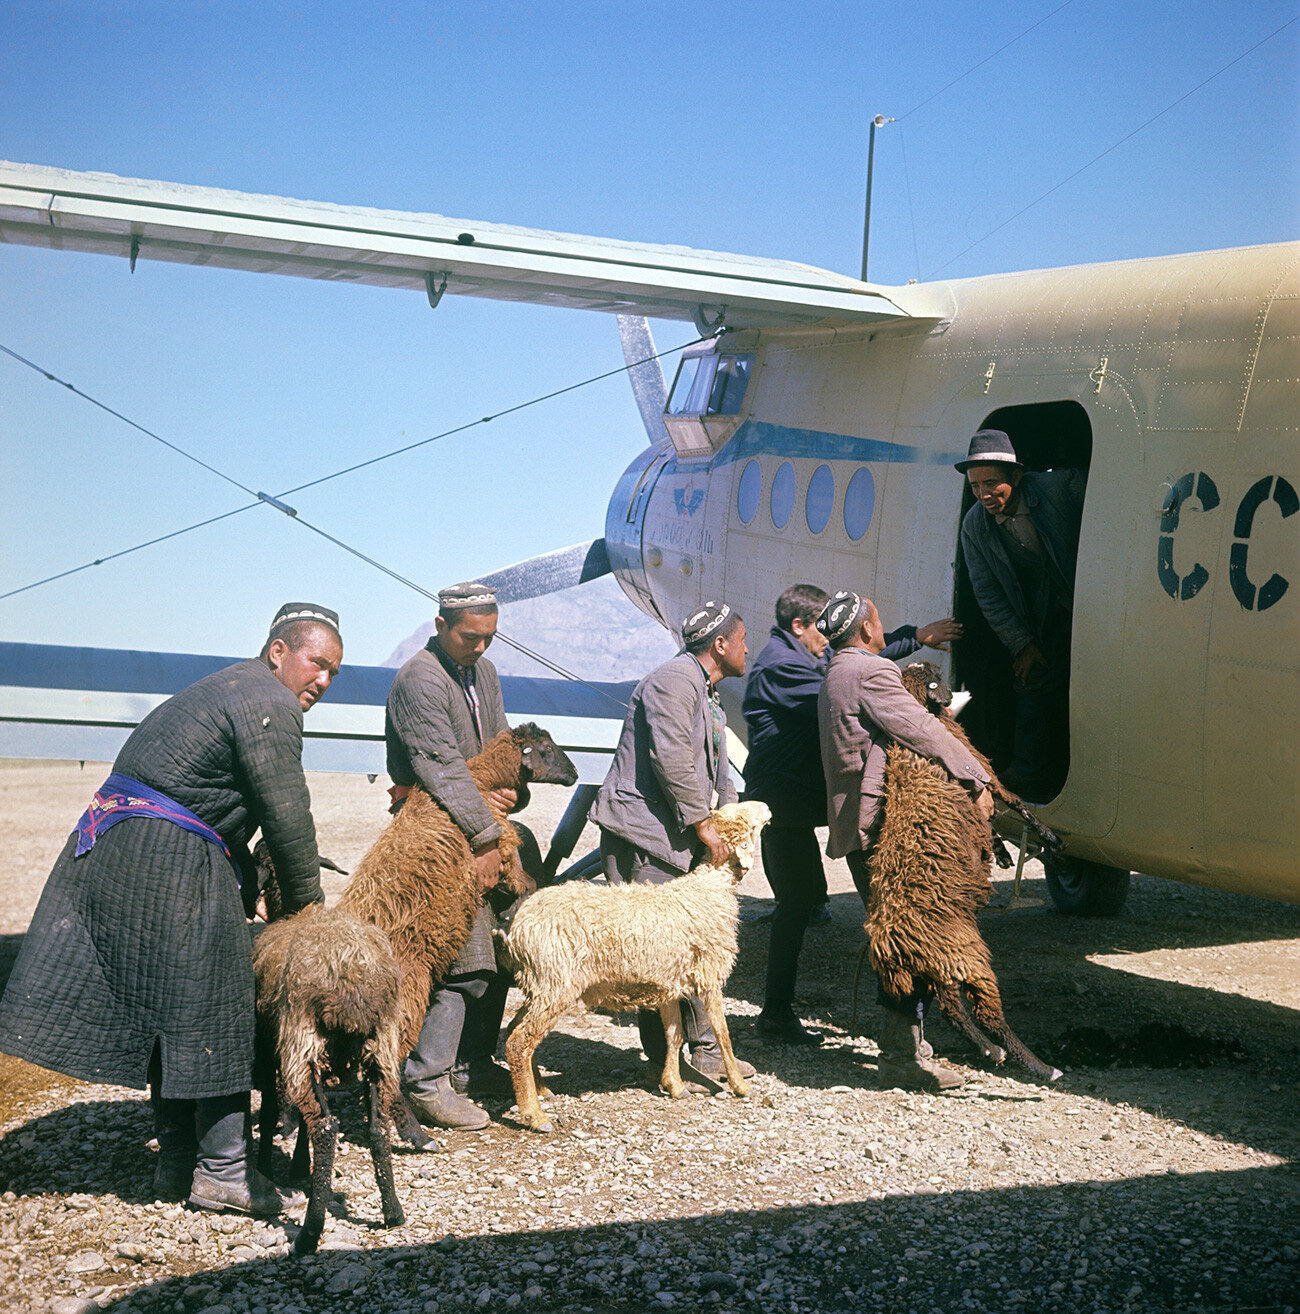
point(452, 668)
point(799, 651)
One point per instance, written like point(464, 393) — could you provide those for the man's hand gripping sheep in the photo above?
point(630, 946)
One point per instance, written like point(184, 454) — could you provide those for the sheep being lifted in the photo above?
point(929, 877)
point(418, 881)
point(630, 946)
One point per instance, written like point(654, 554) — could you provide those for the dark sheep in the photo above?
point(929, 878)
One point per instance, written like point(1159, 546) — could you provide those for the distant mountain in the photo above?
point(591, 630)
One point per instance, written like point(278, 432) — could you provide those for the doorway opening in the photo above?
point(1047, 436)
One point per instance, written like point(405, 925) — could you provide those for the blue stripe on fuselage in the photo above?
point(758, 438)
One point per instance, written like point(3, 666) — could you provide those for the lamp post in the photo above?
point(878, 122)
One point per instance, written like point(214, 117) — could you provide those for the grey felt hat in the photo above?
point(988, 447)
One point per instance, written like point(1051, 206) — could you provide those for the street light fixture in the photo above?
point(878, 122)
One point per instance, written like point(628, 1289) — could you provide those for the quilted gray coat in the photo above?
point(142, 942)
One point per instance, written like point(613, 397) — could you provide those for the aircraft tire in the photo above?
point(1086, 889)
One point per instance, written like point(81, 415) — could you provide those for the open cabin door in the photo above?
point(1102, 439)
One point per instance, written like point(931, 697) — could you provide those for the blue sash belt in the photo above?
point(120, 797)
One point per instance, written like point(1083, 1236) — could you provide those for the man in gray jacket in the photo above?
point(1021, 543)
point(671, 762)
point(863, 708)
point(444, 705)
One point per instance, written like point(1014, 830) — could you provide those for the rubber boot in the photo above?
point(224, 1177)
point(902, 1062)
point(178, 1146)
point(427, 1074)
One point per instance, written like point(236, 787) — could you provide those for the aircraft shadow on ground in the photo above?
point(1117, 1036)
point(1175, 1242)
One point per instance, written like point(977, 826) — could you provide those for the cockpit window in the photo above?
point(710, 385)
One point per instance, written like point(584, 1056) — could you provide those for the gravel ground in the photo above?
point(1158, 1174)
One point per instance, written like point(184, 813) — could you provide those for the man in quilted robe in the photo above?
point(137, 967)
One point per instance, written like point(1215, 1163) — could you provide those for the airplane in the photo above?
point(812, 437)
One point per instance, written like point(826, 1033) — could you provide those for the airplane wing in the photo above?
point(138, 219)
point(80, 704)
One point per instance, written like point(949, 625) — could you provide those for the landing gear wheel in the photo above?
point(1086, 889)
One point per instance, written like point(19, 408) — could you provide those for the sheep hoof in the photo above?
point(1055, 1074)
point(676, 1092)
point(740, 1089)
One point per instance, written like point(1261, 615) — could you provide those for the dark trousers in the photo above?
point(792, 863)
point(623, 863)
point(911, 1006)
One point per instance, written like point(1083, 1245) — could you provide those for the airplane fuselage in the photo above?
point(1178, 378)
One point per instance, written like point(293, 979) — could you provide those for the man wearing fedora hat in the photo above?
point(1021, 544)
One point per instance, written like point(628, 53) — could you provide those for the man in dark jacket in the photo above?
point(137, 967)
point(1021, 543)
point(670, 764)
point(784, 770)
point(444, 705)
point(862, 709)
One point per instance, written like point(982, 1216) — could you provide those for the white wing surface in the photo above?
point(139, 219)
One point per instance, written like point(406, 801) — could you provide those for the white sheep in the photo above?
point(630, 947)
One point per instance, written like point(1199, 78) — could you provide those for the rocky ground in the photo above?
point(1157, 1174)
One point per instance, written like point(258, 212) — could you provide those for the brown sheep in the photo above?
point(925, 682)
point(630, 946)
point(327, 1005)
point(929, 873)
point(418, 882)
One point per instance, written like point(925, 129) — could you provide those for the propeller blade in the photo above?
point(550, 572)
point(648, 386)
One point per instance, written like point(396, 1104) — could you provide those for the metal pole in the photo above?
point(878, 122)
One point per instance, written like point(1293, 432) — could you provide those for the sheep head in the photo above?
point(739, 825)
point(925, 682)
point(544, 761)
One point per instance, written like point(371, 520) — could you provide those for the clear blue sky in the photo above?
point(728, 126)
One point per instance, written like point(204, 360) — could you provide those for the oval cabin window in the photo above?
point(820, 499)
point(783, 495)
point(751, 485)
point(859, 503)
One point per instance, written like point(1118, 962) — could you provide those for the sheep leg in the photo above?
point(267, 1120)
point(324, 1139)
point(671, 1079)
point(988, 1011)
point(408, 1126)
point(532, 1024)
point(712, 1000)
point(381, 1155)
point(953, 1005)
point(539, 1083)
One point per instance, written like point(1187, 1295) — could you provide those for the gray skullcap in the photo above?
point(989, 447)
point(469, 594)
point(703, 621)
point(307, 611)
point(839, 615)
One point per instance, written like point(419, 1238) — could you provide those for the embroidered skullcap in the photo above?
point(703, 621)
point(839, 615)
point(469, 594)
point(306, 611)
point(989, 447)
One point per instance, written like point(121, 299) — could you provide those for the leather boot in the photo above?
point(438, 1105)
point(224, 1177)
point(902, 1062)
point(178, 1146)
